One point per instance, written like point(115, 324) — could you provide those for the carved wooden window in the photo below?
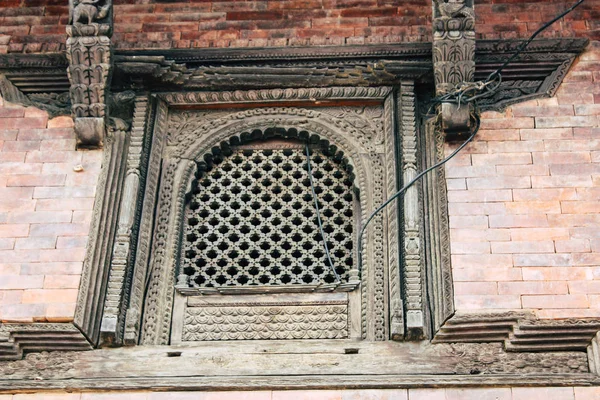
point(251, 223)
point(217, 255)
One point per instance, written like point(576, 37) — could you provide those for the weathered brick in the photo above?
point(479, 235)
point(37, 217)
point(572, 246)
point(555, 301)
point(478, 302)
point(548, 133)
point(534, 207)
point(542, 260)
point(21, 145)
point(486, 274)
point(501, 159)
point(561, 181)
point(479, 196)
point(518, 221)
point(59, 255)
point(36, 180)
point(70, 242)
point(572, 145)
point(555, 393)
point(527, 287)
point(522, 170)
point(515, 146)
point(61, 122)
point(64, 192)
point(36, 243)
point(47, 296)
point(557, 157)
point(22, 312)
point(476, 208)
point(478, 394)
point(469, 221)
point(66, 229)
point(503, 182)
point(520, 195)
point(475, 288)
point(14, 230)
point(523, 247)
point(547, 111)
point(13, 282)
point(557, 273)
point(573, 220)
point(482, 260)
point(470, 247)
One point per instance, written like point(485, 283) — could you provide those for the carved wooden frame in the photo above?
point(178, 166)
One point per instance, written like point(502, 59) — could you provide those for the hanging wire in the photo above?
point(462, 94)
point(314, 194)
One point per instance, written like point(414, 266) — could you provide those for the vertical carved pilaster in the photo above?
point(453, 57)
point(90, 66)
point(413, 261)
point(113, 317)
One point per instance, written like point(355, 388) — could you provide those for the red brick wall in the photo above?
point(39, 25)
point(524, 203)
point(45, 210)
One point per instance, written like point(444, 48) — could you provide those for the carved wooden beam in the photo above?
point(453, 58)
point(89, 53)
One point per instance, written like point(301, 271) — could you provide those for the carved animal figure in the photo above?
point(87, 11)
point(454, 8)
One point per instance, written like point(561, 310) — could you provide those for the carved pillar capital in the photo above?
point(453, 58)
point(89, 52)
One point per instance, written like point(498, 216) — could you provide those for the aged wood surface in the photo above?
point(304, 364)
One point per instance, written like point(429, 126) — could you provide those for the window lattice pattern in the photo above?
point(251, 220)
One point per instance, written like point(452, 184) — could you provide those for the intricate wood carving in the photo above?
point(19, 339)
point(296, 364)
point(192, 136)
point(89, 53)
point(118, 286)
point(96, 265)
point(453, 57)
point(412, 217)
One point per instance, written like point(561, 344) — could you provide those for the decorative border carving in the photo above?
point(362, 148)
point(18, 339)
point(124, 244)
point(438, 268)
point(96, 265)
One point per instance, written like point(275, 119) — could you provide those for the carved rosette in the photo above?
point(453, 56)
point(89, 53)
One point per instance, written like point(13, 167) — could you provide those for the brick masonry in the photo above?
point(45, 211)
point(524, 204)
point(515, 393)
point(32, 26)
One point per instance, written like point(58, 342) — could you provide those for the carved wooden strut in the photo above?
point(453, 58)
point(90, 66)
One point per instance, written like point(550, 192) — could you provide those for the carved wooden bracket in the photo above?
point(90, 65)
point(453, 59)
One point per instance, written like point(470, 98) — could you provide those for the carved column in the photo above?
point(453, 58)
point(90, 66)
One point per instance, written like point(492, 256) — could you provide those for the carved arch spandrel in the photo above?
point(368, 157)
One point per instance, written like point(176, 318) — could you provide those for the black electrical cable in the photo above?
point(412, 182)
point(458, 96)
point(314, 194)
point(493, 75)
